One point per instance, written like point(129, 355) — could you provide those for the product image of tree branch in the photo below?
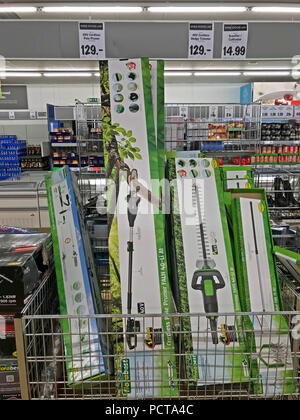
point(119, 145)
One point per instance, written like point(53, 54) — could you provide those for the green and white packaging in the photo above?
point(237, 177)
point(205, 274)
point(78, 288)
point(149, 368)
point(260, 293)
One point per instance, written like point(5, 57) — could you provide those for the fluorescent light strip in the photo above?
point(18, 9)
point(178, 73)
point(67, 74)
point(266, 73)
point(92, 9)
point(217, 73)
point(276, 9)
point(199, 9)
point(20, 74)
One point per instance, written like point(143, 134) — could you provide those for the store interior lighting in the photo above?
point(172, 8)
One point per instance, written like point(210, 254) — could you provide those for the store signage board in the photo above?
point(277, 111)
point(201, 41)
point(234, 41)
point(296, 111)
point(91, 40)
point(14, 97)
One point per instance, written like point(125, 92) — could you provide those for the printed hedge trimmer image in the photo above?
point(133, 201)
point(206, 279)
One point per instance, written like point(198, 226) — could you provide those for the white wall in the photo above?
point(179, 92)
point(39, 95)
point(59, 94)
point(202, 93)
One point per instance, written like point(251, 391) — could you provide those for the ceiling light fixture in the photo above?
point(217, 73)
point(266, 73)
point(92, 9)
point(276, 9)
point(67, 74)
point(178, 73)
point(18, 9)
point(20, 74)
point(196, 9)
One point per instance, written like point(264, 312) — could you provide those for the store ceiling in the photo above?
point(42, 66)
point(170, 65)
point(146, 15)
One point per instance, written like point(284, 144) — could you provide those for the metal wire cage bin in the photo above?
point(267, 367)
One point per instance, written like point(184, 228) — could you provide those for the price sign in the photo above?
point(201, 41)
point(235, 41)
point(91, 40)
point(296, 111)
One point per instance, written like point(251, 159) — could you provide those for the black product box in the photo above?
point(9, 380)
point(24, 259)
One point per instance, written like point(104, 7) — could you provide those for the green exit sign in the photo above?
point(94, 100)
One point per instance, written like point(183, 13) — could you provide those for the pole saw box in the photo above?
point(138, 260)
point(268, 335)
point(205, 274)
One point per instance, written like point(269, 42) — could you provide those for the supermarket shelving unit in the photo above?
point(221, 130)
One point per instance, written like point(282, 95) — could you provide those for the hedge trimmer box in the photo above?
point(205, 274)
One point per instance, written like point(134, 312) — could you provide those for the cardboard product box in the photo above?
point(24, 260)
point(9, 380)
point(205, 274)
point(268, 338)
point(78, 288)
point(237, 177)
point(137, 251)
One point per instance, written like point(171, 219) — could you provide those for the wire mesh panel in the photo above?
point(276, 354)
point(282, 188)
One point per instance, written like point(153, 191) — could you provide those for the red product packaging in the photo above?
point(273, 149)
point(236, 160)
point(279, 149)
point(253, 160)
point(267, 159)
point(220, 160)
point(286, 149)
point(294, 158)
point(275, 159)
point(298, 158)
point(281, 158)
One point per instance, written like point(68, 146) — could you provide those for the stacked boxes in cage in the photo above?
point(26, 261)
point(224, 266)
point(11, 149)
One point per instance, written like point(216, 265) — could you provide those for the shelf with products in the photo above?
point(11, 151)
point(66, 138)
point(224, 130)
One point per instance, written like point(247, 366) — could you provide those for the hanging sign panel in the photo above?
point(201, 41)
point(91, 40)
point(234, 41)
